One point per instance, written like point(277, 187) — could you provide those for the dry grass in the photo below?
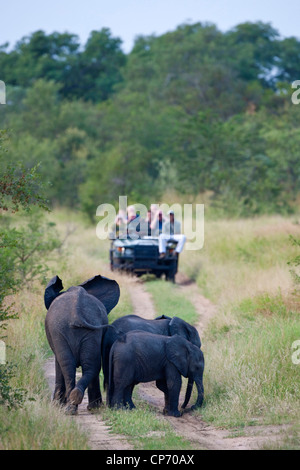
point(242, 258)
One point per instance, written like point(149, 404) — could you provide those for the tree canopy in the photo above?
point(196, 110)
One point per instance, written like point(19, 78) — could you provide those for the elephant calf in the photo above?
point(144, 357)
point(74, 325)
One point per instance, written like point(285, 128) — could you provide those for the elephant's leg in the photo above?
point(118, 395)
point(90, 375)
point(174, 386)
point(59, 395)
point(94, 394)
point(128, 397)
point(117, 400)
point(68, 368)
point(162, 385)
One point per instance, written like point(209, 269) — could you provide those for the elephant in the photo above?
point(74, 324)
point(162, 325)
point(139, 356)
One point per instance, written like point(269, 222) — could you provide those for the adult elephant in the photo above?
point(162, 325)
point(74, 325)
point(139, 356)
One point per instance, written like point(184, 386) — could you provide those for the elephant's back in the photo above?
point(136, 323)
point(141, 340)
point(74, 308)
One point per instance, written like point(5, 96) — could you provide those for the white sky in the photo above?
point(128, 18)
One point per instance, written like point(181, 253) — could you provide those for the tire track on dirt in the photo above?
point(190, 426)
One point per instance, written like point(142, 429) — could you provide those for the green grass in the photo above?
point(170, 301)
point(144, 429)
point(250, 375)
point(39, 426)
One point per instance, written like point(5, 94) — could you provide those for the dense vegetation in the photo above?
point(195, 110)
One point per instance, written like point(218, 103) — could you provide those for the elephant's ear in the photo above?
point(104, 289)
point(52, 291)
point(177, 326)
point(177, 353)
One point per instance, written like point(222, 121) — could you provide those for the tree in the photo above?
point(95, 72)
point(88, 74)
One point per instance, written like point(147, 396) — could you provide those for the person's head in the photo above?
point(160, 215)
point(149, 215)
point(131, 212)
point(171, 215)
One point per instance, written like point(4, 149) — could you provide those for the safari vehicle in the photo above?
point(142, 256)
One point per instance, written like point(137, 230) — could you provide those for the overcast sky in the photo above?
point(128, 18)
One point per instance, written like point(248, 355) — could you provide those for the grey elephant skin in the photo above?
point(74, 326)
point(143, 357)
point(162, 325)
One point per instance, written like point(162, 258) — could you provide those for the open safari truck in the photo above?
point(142, 256)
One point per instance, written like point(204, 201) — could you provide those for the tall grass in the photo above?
point(249, 377)
point(242, 258)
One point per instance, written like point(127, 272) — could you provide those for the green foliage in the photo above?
point(89, 74)
point(194, 110)
point(36, 241)
point(18, 186)
point(8, 282)
point(22, 250)
point(10, 397)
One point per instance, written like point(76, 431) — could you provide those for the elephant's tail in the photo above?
point(110, 336)
point(110, 388)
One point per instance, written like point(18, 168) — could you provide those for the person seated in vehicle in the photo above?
point(148, 224)
point(171, 231)
point(119, 224)
point(157, 223)
point(133, 225)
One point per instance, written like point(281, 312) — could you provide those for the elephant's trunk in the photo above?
point(200, 389)
point(188, 392)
